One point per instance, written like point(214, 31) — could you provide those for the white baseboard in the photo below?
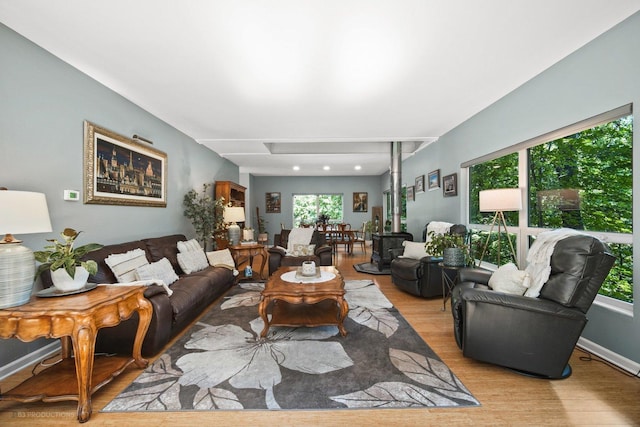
point(29, 359)
point(608, 355)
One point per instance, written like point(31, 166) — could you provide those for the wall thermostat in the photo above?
point(72, 195)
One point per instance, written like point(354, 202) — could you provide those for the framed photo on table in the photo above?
point(360, 202)
point(434, 179)
point(450, 185)
point(122, 171)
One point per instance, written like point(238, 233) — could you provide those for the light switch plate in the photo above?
point(72, 195)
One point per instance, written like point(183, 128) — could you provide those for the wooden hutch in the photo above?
point(233, 193)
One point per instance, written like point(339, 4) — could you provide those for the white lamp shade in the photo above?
point(23, 212)
point(501, 199)
point(234, 214)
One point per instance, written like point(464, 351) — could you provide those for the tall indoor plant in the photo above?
point(68, 271)
point(205, 213)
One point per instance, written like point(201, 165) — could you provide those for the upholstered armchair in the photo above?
point(278, 256)
point(420, 274)
point(532, 335)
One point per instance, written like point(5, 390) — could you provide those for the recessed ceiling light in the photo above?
point(296, 168)
point(326, 168)
point(358, 167)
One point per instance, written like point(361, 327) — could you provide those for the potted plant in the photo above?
point(263, 236)
point(68, 271)
point(205, 213)
point(452, 248)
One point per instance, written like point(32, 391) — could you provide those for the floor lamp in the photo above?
point(499, 201)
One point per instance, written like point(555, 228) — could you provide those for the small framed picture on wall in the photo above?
point(450, 185)
point(419, 188)
point(360, 202)
point(273, 202)
point(434, 179)
point(410, 193)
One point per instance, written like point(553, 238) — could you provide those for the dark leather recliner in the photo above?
point(535, 336)
point(278, 256)
point(421, 277)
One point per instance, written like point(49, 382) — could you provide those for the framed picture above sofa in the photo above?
point(122, 171)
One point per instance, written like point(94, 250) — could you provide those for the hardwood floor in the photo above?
point(596, 394)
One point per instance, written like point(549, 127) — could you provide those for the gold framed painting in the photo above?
point(122, 171)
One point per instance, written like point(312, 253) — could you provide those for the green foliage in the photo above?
point(64, 255)
point(438, 242)
point(307, 208)
point(205, 213)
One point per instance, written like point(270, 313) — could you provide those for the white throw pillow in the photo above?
point(124, 265)
point(303, 250)
point(221, 258)
point(189, 246)
point(510, 280)
point(191, 257)
point(414, 250)
point(157, 270)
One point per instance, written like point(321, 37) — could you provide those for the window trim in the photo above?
point(594, 121)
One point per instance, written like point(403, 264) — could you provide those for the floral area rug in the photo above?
point(221, 363)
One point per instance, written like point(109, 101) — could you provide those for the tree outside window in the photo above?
point(307, 208)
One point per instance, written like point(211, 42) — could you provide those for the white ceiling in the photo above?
point(273, 84)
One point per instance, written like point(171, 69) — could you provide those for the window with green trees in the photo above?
point(307, 208)
point(403, 210)
point(581, 181)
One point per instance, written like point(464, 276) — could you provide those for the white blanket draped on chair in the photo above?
point(539, 257)
point(299, 236)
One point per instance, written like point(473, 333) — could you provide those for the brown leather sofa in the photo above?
point(192, 293)
point(278, 256)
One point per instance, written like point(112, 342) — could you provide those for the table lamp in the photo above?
point(234, 215)
point(22, 212)
point(499, 201)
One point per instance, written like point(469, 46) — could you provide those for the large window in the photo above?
point(581, 179)
point(308, 208)
point(403, 210)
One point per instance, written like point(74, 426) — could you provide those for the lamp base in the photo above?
point(234, 234)
point(17, 271)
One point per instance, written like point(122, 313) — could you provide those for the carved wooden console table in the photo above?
point(75, 319)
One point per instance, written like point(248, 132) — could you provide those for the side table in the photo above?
point(75, 319)
point(449, 274)
point(246, 253)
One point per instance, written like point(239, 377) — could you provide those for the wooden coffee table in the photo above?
point(303, 304)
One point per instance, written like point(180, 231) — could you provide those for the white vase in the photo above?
point(65, 283)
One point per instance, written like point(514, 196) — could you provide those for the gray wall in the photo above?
point(43, 103)
point(601, 76)
point(288, 186)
